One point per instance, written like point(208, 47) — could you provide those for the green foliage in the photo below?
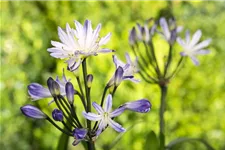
point(195, 102)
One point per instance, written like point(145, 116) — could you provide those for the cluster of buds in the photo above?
point(76, 46)
point(144, 35)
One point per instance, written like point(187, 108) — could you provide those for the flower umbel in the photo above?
point(105, 116)
point(192, 47)
point(78, 44)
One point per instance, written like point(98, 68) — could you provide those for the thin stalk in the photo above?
point(168, 61)
point(163, 89)
point(84, 67)
point(178, 67)
point(155, 60)
point(53, 123)
point(83, 101)
point(79, 84)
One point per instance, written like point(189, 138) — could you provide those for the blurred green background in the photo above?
point(195, 102)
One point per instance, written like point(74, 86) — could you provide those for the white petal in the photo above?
point(105, 39)
point(116, 126)
point(91, 116)
point(98, 108)
point(201, 45)
point(202, 52)
point(194, 60)
point(165, 28)
point(196, 37)
point(108, 103)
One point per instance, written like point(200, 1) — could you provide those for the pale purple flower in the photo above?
point(33, 112)
point(57, 115)
point(192, 47)
point(70, 92)
point(79, 135)
point(105, 116)
point(77, 44)
point(169, 31)
point(126, 73)
point(37, 91)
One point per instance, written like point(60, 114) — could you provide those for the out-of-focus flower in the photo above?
point(105, 116)
point(126, 73)
point(192, 47)
point(33, 112)
point(37, 91)
point(79, 135)
point(141, 106)
point(57, 115)
point(169, 31)
point(77, 44)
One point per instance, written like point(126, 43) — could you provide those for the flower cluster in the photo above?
point(151, 70)
point(76, 46)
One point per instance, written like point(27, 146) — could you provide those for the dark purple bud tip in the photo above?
point(70, 92)
point(141, 106)
point(57, 115)
point(53, 87)
point(33, 112)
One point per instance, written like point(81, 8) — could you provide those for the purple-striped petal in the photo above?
point(117, 111)
point(118, 76)
point(92, 116)
point(141, 106)
point(98, 108)
point(80, 133)
point(33, 112)
point(116, 126)
point(108, 103)
point(194, 60)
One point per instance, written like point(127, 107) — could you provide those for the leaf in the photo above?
point(152, 142)
point(162, 141)
point(184, 139)
point(63, 142)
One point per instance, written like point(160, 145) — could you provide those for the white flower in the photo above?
point(105, 116)
point(192, 47)
point(78, 44)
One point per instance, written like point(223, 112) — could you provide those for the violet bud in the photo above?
point(53, 87)
point(142, 106)
point(70, 92)
point(57, 115)
point(33, 112)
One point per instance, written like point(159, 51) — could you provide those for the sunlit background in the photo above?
point(196, 97)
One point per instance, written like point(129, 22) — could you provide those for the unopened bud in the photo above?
point(89, 80)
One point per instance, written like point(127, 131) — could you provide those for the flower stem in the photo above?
point(84, 67)
point(163, 89)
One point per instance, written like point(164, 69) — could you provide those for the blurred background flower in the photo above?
point(195, 103)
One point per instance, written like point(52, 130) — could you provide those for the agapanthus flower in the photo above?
point(77, 44)
point(79, 135)
point(33, 112)
point(141, 106)
point(127, 72)
point(192, 47)
point(169, 30)
point(37, 91)
point(105, 116)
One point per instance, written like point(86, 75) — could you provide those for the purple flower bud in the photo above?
point(33, 112)
point(79, 135)
point(141, 106)
point(89, 80)
point(70, 92)
point(57, 115)
point(53, 86)
point(118, 76)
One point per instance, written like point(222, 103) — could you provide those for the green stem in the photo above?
point(163, 89)
point(168, 61)
point(84, 67)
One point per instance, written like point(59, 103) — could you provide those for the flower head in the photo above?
point(78, 44)
point(192, 47)
point(124, 71)
point(37, 91)
point(33, 112)
point(79, 135)
point(105, 116)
